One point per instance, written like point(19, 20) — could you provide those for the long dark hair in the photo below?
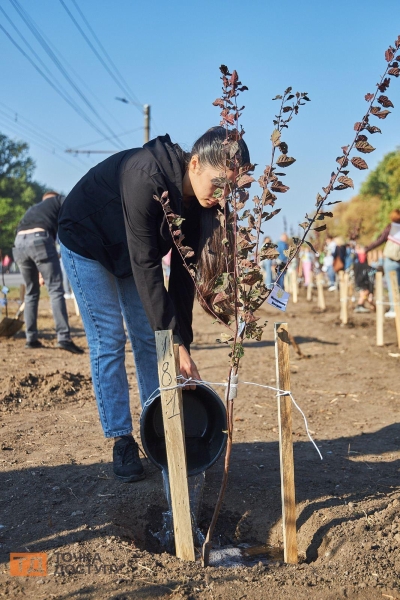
point(211, 260)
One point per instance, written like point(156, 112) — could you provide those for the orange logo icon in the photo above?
point(28, 564)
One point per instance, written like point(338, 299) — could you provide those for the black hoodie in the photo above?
point(111, 216)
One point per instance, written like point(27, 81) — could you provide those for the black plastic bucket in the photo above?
point(205, 425)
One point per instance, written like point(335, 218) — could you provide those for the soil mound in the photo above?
point(43, 391)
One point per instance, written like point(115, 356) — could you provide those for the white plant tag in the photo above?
point(241, 326)
point(278, 298)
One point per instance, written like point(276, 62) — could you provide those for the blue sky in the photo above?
point(170, 52)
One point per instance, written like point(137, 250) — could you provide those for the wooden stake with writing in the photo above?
point(172, 410)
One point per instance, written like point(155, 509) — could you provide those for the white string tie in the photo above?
point(234, 381)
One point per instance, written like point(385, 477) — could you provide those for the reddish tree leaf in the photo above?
point(373, 129)
point(347, 181)
point(276, 137)
point(283, 147)
point(358, 126)
point(394, 71)
point(359, 163)
point(384, 100)
point(342, 160)
point(335, 202)
point(219, 102)
point(389, 55)
point(224, 70)
point(340, 187)
point(320, 228)
point(381, 114)
point(384, 85)
point(397, 42)
point(312, 247)
point(361, 138)
point(278, 186)
point(364, 147)
point(245, 181)
point(285, 161)
point(272, 214)
point(234, 78)
point(220, 297)
point(369, 97)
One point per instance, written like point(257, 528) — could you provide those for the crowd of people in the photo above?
point(351, 257)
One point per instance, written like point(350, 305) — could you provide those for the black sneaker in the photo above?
point(34, 344)
point(127, 465)
point(70, 346)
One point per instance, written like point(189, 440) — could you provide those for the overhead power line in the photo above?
point(49, 81)
point(14, 130)
point(61, 57)
point(30, 129)
point(59, 87)
point(107, 138)
point(113, 71)
point(34, 30)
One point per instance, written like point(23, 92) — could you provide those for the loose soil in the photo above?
point(58, 494)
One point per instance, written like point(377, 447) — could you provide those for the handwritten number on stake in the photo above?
point(165, 372)
point(173, 399)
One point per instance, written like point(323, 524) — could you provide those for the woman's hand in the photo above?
point(187, 366)
point(41, 280)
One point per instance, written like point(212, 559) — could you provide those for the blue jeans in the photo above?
point(105, 302)
point(267, 268)
point(388, 266)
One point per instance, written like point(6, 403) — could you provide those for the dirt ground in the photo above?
point(58, 494)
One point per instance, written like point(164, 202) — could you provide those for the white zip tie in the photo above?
point(234, 381)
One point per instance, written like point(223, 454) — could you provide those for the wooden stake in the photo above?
point(171, 402)
point(344, 287)
point(77, 312)
point(294, 286)
point(310, 287)
point(320, 288)
point(286, 444)
point(394, 284)
point(379, 308)
point(286, 283)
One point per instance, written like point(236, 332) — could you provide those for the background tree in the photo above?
point(384, 183)
point(18, 191)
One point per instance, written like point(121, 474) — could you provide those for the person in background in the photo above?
point(330, 247)
point(266, 266)
point(339, 255)
point(390, 236)
point(364, 280)
point(7, 261)
point(282, 259)
point(306, 259)
point(36, 254)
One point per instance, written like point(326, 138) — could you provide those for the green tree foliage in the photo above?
point(17, 189)
point(384, 183)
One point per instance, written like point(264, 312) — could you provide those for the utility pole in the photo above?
point(146, 112)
